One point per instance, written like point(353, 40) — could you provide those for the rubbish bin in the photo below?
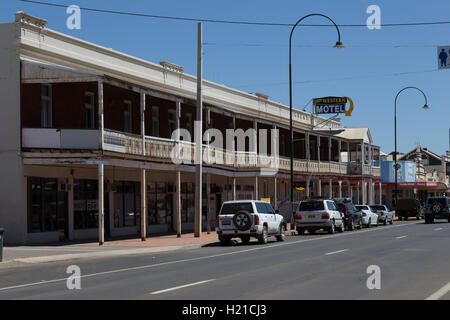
point(1, 243)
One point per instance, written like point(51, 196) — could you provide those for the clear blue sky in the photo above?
point(264, 68)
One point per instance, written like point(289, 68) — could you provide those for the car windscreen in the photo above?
point(381, 208)
point(232, 208)
point(340, 207)
point(359, 208)
point(311, 206)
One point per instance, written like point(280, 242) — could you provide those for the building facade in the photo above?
point(89, 144)
point(421, 174)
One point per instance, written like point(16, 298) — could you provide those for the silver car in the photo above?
point(384, 214)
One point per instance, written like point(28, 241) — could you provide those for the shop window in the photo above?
point(160, 205)
point(189, 123)
point(47, 207)
point(127, 204)
point(85, 204)
point(46, 106)
point(187, 202)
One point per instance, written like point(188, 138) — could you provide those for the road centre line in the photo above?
point(437, 229)
point(181, 287)
point(401, 237)
point(440, 293)
point(334, 252)
point(206, 257)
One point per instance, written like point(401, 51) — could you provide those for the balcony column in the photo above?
point(349, 154)
point(208, 125)
point(234, 188)
point(340, 189)
point(308, 182)
point(208, 203)
point(101, 207)
point(319, 187)
point(178, 202)
point(339, 151)
point(143, 206)
point(329, 150)
point(330, 187)
point(100, 113)
point(70, 215)
point(143, 122)
point(318, 150)
point(357, 194)
point(256, 188)
point(380, 192)
point(275, 200)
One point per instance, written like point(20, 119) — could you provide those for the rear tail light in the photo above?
point(298, 216)
point(256, 220)
point(217, 221)
point(325, 216)
point(363, 214)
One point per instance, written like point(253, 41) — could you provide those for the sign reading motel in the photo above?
point(329, 105)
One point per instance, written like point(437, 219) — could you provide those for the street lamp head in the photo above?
point(425, 107)
point(339, 45)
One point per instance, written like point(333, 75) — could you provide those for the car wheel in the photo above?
point(351, 225)
point(417, 217)
point(332, 229)
point(245, 239)
point(369, 225)
point(342, 227)
point(312, 231)
point(385, 221)
point(360, 224)
point(263, 237)
point(300, 231)
point(392, 220)
point(282, 235)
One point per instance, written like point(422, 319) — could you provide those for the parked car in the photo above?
point(352, 217)
point(384, 214)
point(317, 214)
point(409, 207)
point(369, 217)
point(245, 219)
point(437, 208)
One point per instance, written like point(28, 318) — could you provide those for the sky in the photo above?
point(372, 68)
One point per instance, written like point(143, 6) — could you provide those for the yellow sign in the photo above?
point(348, 112)
point(265, 200)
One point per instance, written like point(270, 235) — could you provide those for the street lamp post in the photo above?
point(425, 107)
point(338, 45)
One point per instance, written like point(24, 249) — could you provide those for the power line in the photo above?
point(339, 79)
point(271, 24)
point(318, 45)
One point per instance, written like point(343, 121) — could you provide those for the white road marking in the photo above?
point(401, 237)
point(437, 229)
point(440, 293)
point(334, 252)
point(183, 286)
point(209, 257)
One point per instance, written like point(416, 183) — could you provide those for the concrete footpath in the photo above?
point(111, 248)
point(69, 251)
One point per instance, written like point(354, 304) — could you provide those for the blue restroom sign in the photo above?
point(443, 57)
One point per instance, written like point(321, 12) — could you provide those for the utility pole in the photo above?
point(198, 140)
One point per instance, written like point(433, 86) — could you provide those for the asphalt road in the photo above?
point(413, 258)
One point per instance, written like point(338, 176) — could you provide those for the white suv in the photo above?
point(249, 218)
point(318, 214)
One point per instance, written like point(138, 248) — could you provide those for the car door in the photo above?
point(263, 216)
point(272, 217)
point(334, 212)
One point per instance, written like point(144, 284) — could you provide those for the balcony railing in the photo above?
point(167, 150)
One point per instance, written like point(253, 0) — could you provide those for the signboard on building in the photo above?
point(443, 57)
point(332, 105)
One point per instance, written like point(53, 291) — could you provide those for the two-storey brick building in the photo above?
point(87, 132)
